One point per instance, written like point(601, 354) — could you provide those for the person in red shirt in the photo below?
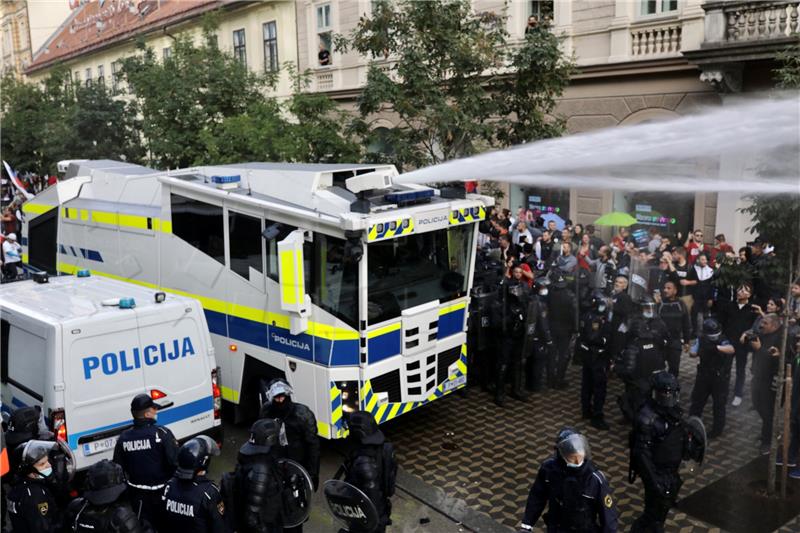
point(695, 246)
point(618, 241)
point(721, 247)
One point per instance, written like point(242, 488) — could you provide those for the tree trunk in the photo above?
point(776, 414)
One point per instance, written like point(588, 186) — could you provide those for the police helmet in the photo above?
point(105, 482)
point(560, 282)
point(569, 443)
point(648, 307)
point(516, 289)
point(599, 301)
point(264, 435)
point(712, 329)
point(666, 389)
point(364, 429)
point(31, 452)
point(277, 387)
point(195, 455)
point(23, 425)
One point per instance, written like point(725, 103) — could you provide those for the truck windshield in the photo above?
point(410, 271)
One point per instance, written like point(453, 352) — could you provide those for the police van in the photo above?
point(83, 346)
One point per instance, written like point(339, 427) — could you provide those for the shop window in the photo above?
point(245, 243)
point(669, 213)
point(547, 201)
point(199, 224)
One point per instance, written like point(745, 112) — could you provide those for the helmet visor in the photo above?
point(36, 449)
point(574, 448)
point(211, 446)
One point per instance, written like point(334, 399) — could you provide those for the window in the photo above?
point(239, 47)
point(199, 224)
point(101, 79)
point(27, 357)
point(324, 34)
point(416, 269)
point(42, 245)
point(271, 47)
point(653, 7)
point(166, 52)
point(281, 231)
point(334, 278)
point(88, 77)
point(246, 246)
point(77, 76)
point(541, 9)
point(115, 74)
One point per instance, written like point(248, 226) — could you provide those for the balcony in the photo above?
point(756, 21)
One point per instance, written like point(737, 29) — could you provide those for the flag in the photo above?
point(17, 182)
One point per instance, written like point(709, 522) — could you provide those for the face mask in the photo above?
point(601, 308)
point(572, 465)
point(648, 314)
point(543, 292)
point(46, 472)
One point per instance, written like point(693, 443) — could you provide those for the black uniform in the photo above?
point(713, 379)
point(538, 345)
point(510, 324)
point(148, 454)
point(658, 445)
point(563, 308)
point(32, 507)
point(301, 434)
point(643, 356)
point(365, 469)
point(192, 506)
point(594, 340)
point(118, 517)
point(737, 318)
point(257, 492)
point(679, 325)
point(578, 499)
point(621, 310)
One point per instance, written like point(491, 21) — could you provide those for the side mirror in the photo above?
point(291, 276)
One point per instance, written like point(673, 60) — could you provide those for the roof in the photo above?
point(96, 25)
point(67, 298)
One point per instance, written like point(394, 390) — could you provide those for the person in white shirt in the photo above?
point(12, 255)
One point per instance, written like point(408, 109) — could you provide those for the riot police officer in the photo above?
point(147, 453)
point(509, 316)
point(672, 310)
point(576, 494)
point(538, 341)
point(660, 440)
point(563, 306)
point(595, 336)
point(370, 465)
point(103, 506)
point(192, 503)
point(643, 355)
point(713, 374)
point(300, 425)
point(254, 504)
point(32, 507)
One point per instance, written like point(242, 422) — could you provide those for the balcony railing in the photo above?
point(656, 41)
point(751, 21)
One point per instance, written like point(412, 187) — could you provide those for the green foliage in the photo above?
point(776, 219)
point(454, 81)
point(788, 74)
point(43, 124)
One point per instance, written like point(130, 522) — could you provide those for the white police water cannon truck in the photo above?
point(83, 346)
point(353, 288)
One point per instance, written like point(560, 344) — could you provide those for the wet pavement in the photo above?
point(487, 457)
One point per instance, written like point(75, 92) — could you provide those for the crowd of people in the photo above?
point(154, 484)
point(633, 308)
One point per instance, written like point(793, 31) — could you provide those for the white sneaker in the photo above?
point(737, 401)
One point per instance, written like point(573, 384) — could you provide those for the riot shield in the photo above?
point(296, 493)
point(62, 452)
point(697, 439)
point(639, 278)
point(350, 507)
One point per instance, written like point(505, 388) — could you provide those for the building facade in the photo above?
point(15, 46)
point(96, 35)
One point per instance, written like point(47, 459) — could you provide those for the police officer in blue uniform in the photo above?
point(32, 508)
point(148, 454)
point(575, 492)
point(713, 374)
point(595, 337)
point(192, 503)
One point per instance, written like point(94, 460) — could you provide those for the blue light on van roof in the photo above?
point(236, 178)
point(83, 273)
point(127, 303)
point(409, 197)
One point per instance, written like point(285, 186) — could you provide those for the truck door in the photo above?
point(102, 375)
point(179, 379)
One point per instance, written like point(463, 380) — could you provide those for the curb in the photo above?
point(453, 508)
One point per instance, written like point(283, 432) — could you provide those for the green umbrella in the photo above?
point(616, 218)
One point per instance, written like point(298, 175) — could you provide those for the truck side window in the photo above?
point(42, 245)
point(27, 359)
point(199, 224)
point(4, 328)
point(272, 246)
point(245, 242)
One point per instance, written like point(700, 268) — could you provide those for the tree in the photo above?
point(454, 81)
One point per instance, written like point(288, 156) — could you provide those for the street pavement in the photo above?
point(409, 515)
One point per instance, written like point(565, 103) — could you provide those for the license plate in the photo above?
point(455, 383)
point(99, 446)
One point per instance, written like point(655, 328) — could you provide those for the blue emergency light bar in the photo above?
point(83, 273)
point(127, 303)
point(226, 179)
point(408, 197)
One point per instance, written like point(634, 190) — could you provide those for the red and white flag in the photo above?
point(17, 182)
